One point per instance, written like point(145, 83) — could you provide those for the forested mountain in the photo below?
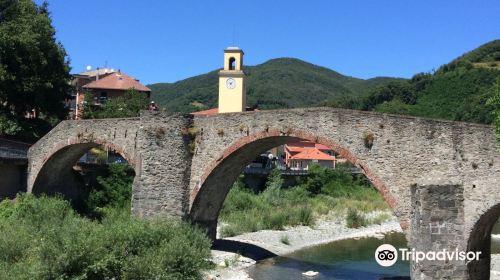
point(458, 90)
point(277, 83)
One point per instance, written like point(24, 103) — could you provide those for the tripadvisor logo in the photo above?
point(386, 255)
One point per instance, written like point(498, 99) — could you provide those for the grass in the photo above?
point(354, 219)
point(380, 218)
point(284, 239)
point(228, 262)
point(44, 238)
point(324, 192)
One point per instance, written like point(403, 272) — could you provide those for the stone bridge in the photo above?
point(441, 178)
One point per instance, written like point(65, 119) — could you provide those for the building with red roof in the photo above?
point(103, 84)
point(299, 155)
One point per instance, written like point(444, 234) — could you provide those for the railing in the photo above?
point(291, 172)
point(13, 150)
point(6, 152)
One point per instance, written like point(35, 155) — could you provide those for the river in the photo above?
point(345, 259)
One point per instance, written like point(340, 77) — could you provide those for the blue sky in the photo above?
point(166, 41)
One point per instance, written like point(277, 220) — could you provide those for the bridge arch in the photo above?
point(480, 241)
point(54, 173)
point(219, 175)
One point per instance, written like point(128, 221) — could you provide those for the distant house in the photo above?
point(301, 154)
point(103, 84)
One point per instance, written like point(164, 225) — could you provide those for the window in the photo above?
point(103, 97)
point(232, 63)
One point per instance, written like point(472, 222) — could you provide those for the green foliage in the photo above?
point(113, 190)
point(285, 240)
point(488, 52)
point(277, 83)
point(494, 101)
point(354, 219)
point(43, 238)
point(8, 125)
point(125, 106)
point(323, 191)
point(34, 69)
point(458, 91)
point(334, 182)
point(458, 95)
point(380, 218)
point(274, 183)
point(402, 91)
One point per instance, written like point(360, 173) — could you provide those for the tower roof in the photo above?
point(233, 50)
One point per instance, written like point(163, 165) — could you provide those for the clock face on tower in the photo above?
point(230, 83)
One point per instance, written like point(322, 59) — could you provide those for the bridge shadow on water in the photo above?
point(251, 251)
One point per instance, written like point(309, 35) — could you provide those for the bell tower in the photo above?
point(232, 94)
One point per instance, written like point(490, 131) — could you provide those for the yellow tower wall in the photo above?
point(232, 100)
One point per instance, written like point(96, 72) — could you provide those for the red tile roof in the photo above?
point(215, 111)
point(306, 144)
point(117, 81)
point(312, 154)
point(209, 112)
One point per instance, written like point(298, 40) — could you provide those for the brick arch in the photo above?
point(98, 141)
point(480, 240)
point(55, 172)
point(219, 175)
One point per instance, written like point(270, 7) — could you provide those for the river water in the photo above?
point(344, 259)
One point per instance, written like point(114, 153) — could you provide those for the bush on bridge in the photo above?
point(43, 238)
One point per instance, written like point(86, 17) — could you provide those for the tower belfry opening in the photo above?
point(232, 63)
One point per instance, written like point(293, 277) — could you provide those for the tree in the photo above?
point(273, 187)
point(113, 190)
point(125, 106)
point(495, 102)
point(34, 69)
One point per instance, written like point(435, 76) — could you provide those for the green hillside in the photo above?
point(456, 91)
point(277, 83)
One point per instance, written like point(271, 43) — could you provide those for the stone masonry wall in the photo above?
point(119, 135)
point(154, 146)
point(459, 159)
point(164, 165)
point(406, 151)
point(437, 224)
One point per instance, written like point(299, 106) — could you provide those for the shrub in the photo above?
point(277, 219)
point(43, 238)
point(113, 190)
point(368, 138)
point(285, 240)
point(275, 208)
point(297, 194)
point(382, 217)
point(355, 219)
point(305, 216)
point(272, 193)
